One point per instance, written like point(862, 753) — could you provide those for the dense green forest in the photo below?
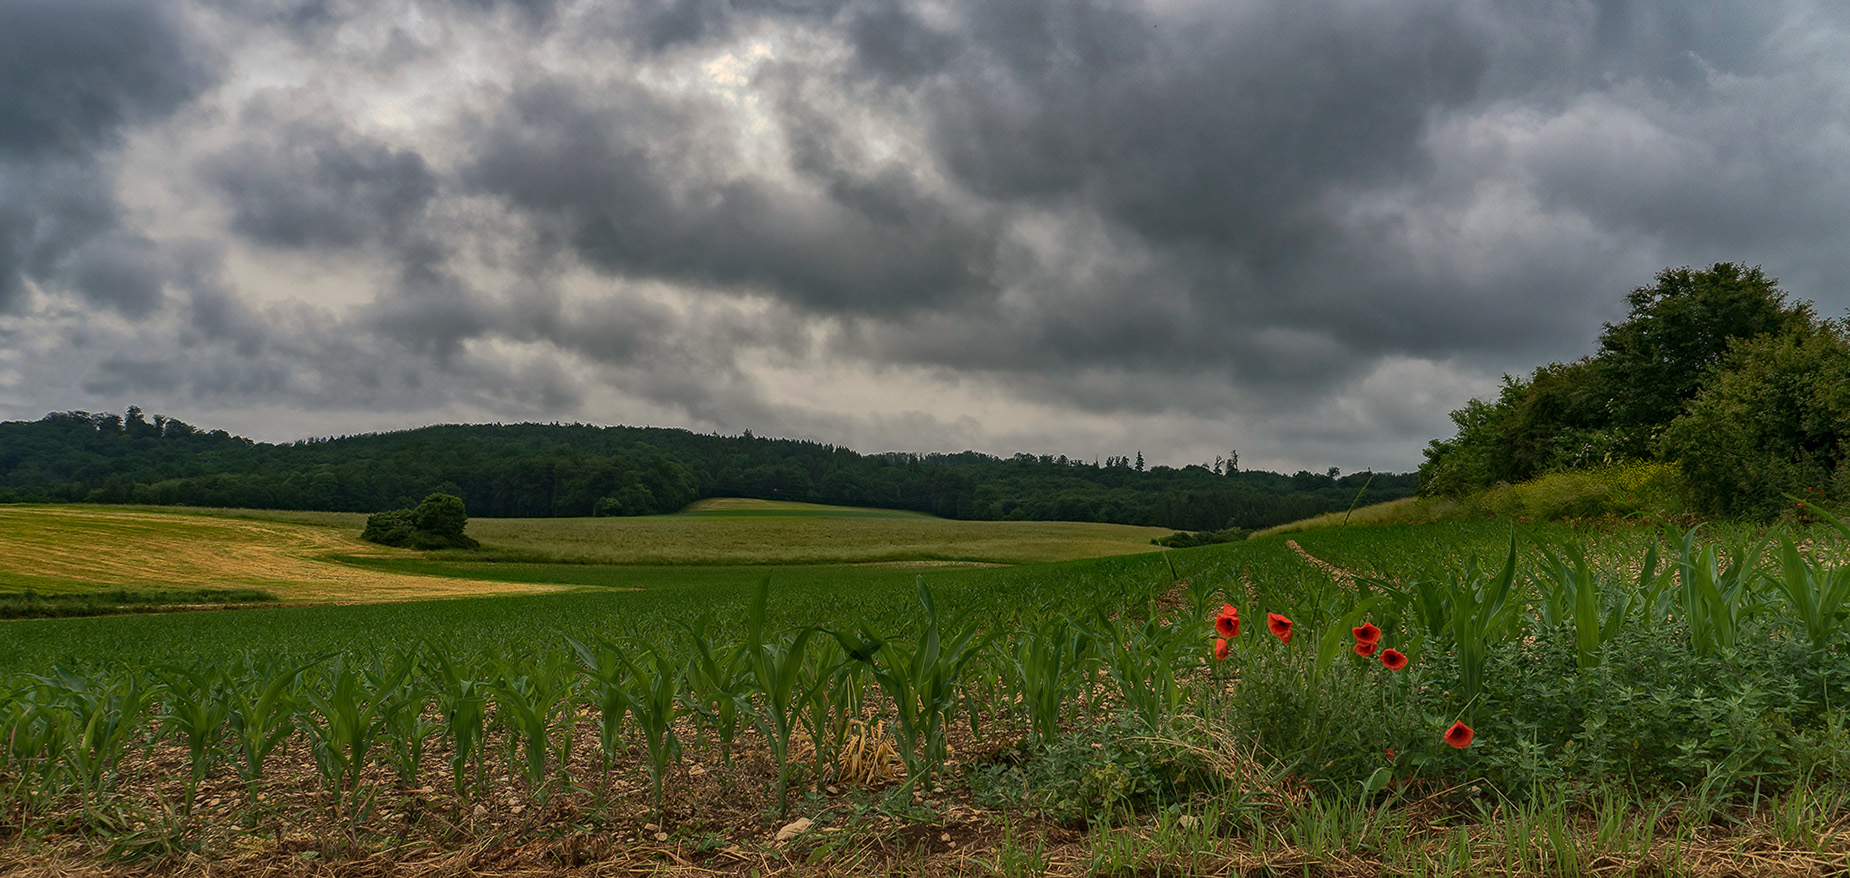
point(545, 470)
point(1718, 372)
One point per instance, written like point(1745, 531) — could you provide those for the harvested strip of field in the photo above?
point(76, 549)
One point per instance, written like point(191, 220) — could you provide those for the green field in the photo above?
point(1636, 700)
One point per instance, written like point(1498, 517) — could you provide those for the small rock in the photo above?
point(661, 836)
point(518, 808)
point(695, 771)
point(650, 827)
point(945, 837)
point(479, 812)
point(832, 790)
point(794, 828)
point(1188, 821)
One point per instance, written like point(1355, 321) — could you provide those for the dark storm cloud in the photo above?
point(640, 185)
point(74, 72)
point(303, 185)
point(58, 228)
point(74, 75)
point(1321, 224)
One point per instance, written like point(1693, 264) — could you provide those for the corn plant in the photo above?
point(1572, 592)
point(654, 687)
point(837, 695)
point(1474, 610)
point(1717, 597)
point(922, 681)
point(31, 734)
point(197, 707)
point(1817, 596)
point(408, 725)
point(607, 688)
point(528, 701)
point(462, 701)
point(719, 686)
point(96, 720)
point(1141, 660)
point(777, 670)
point(347, 720)
point(261, 705)
point(1045, 669)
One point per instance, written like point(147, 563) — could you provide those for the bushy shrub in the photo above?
point(436, 523)
point(1775, 423)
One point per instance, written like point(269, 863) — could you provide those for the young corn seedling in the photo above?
point(347, 720)
point(654, 685)
point(1142, 661)
point(607, 686)
point(777, 670)
point(1573, 592)
point(922, 682)
point(97, 721)
point(408, 726)
point(1717, 598)
point(462, 700)
point(1046, 665)
point(197, 707)
point(719, 685)
point(1818, 596)
point(30, 730)
point(528, 702)
point(261, 704)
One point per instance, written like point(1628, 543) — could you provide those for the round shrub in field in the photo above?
point(436, 523)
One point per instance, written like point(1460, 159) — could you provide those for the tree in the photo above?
point(1774, 421)
point(1679, 329)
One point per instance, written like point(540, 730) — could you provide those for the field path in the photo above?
point(62, 549)
point(1337, 574)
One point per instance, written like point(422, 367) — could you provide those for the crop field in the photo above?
point(57, 550)
point(759, 532)
point(1452, 699)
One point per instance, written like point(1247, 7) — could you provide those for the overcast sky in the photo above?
point(1302, 230)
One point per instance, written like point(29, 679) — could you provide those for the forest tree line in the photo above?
point(553, 470)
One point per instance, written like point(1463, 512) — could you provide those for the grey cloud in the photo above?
point(642, 186)
point(59, 224)
point(124, 272)
point(73, 73)
point(119, 375)
point(310, 186)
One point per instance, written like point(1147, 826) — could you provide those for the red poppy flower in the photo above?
point(1279, 626)
point(1367, 633)
point(1229, 610)
point(1459, 735)
point(1390, 754)
point(1364, 648)
point(1227, 624)
point(1220, 649)
point(1393, 659)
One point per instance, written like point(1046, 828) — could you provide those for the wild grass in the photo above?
point(1649, 492)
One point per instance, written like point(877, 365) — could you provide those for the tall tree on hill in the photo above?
point(1679, 329)
point(1615, 405)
